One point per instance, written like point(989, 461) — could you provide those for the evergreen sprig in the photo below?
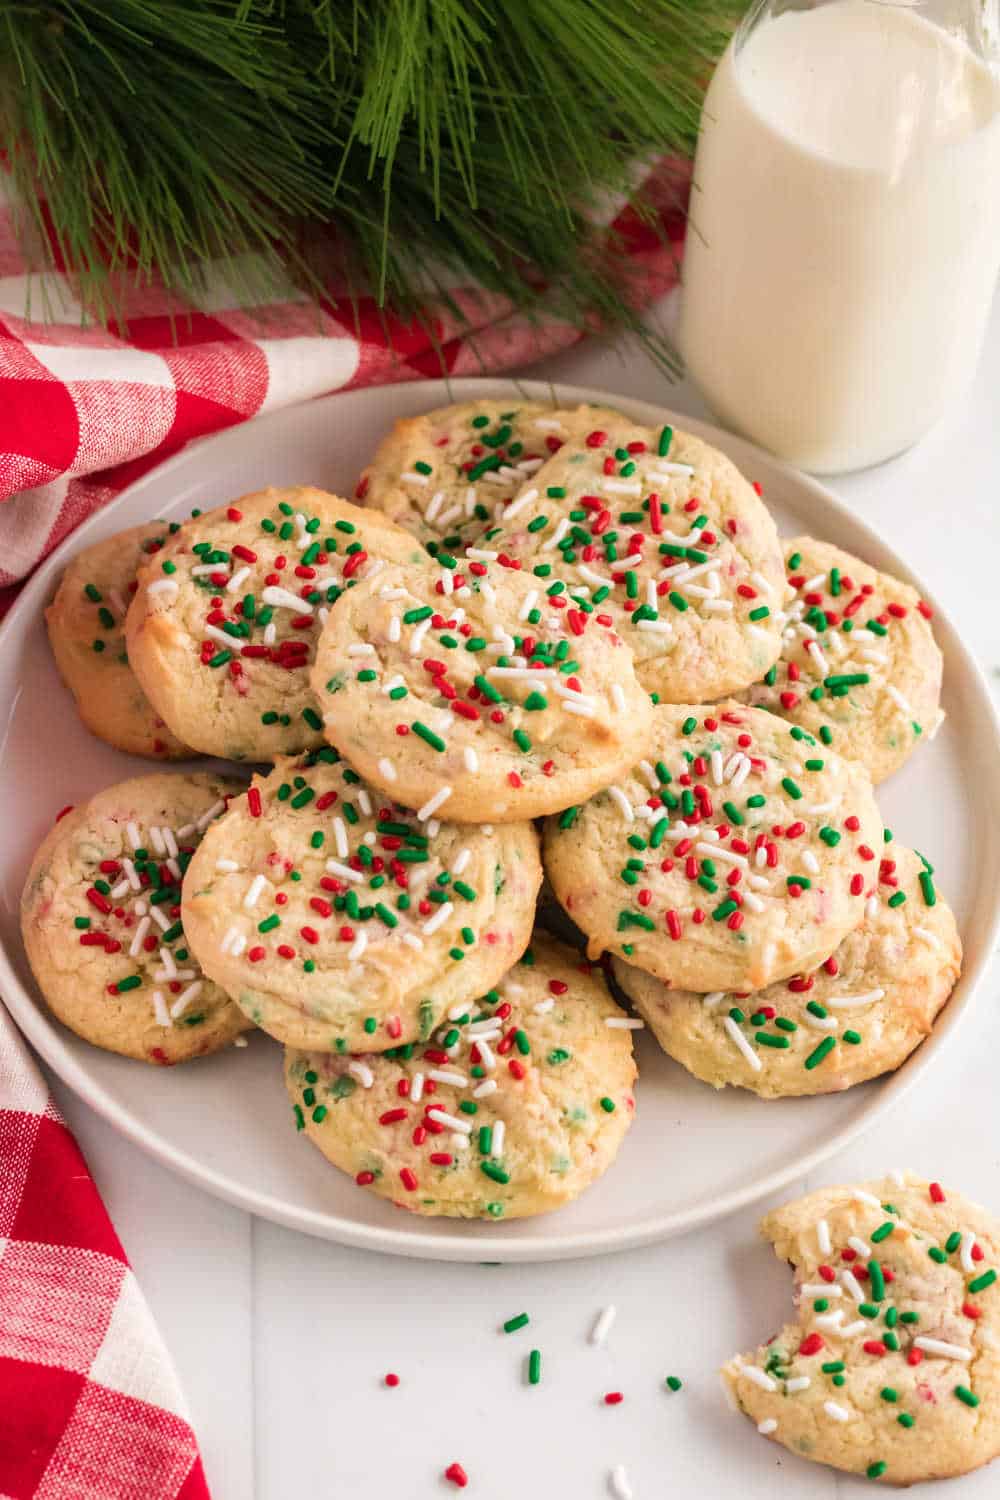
point(404, 140)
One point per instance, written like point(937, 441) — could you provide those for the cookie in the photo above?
point(740, 852)
point(337, 921)
point(222, 630)
point(86, 624)
point(860, 1014)
point(448, 475)
point(859, 667)
point(101, 920)
point(891, 1368)
point(519, 1102)
point(663, 535)
point(474, 691)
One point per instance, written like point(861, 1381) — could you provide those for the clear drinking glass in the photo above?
point(844, 237)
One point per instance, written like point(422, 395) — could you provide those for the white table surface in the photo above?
point(282, 1341)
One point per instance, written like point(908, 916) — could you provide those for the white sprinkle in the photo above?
point(280, 598)
point(156, 838)
point(519, 502)
point(830, 1320)
point(387, 769)
point(965, 1253)
point(134, 836)
point(718, 606)
point(442, 1117)
point(438, 919)
point(362, 1072)
point(160, 1012)
point(741, 1043)
point(797, 1383)
point(169, 589)
point(160, 918)
point(768, 1426)
point(843, 1002)
point(343, 872)
point(624, 1023)
point(715, 760)
point(184, 999)
point(858, 1195)
point(544, 1006)
point(253, 893)
point(270, 633)
point(137, 941)
point(823, 1237)
point(620, 1487)
point(461, 862)
point(810, 861)
point(358, 947)
point(237, 580)
point(496, 1147)
point(433, 505)
point(838, 1413)
point(618, 697)
point(850, 1330)
point(412, 477)
point(207, 817)
point(204, 569)
point(668, 470)
point(412, 940)
point(820, 1289)
point(898, 1177)
point(433, 803)
point(232, 934)
point(940, 1346)
point(470, 759)
point(853, 1285)
point(449, 1075)
point(557, 535)
point(712, 1000)
point(758, 1377)
point(119, 890)
point(603, 1324)
point(926, 936)
point(622, 803)
point(583, 708)
point(821, 1023)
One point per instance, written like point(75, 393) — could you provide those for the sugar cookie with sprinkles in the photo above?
point(101, 920)
point(448, 475)
point(860, 1014)
point(891, 1368)
point(86, 625)
point(859, 667)
point(222, 631)
point(661, 534)
point(339, 922)
point(514, 1106)
point(470, 691)
point(738, 853)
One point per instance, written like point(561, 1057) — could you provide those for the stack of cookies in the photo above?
point(530, 614)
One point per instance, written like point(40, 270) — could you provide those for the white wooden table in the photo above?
point(282, 1341)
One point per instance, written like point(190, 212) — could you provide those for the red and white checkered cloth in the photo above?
point(90, 1408)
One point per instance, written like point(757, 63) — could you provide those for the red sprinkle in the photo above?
point(456, 1474)
point(874, 1346)
point(812, 1344)
point(253, 802)
point(613, 1398)
point(391, 1380)
point(365, 1179)
point(936, 1193)
point(406, 1176)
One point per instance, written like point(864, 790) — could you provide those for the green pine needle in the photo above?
point(408, 143)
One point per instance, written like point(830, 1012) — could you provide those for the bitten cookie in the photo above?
point(222, 630)
point(663, 535)
point(101, 920)
point(861, 1013)
point(472, 692)
point(448, 475)
point(859, 665)
point(738, 853)
point(337, 921)
point(892, 1366)
point(518, 1103)
point(86, 624)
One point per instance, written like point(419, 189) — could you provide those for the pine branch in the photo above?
point(436, 136)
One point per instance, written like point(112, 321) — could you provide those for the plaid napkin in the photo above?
point(89, 1405)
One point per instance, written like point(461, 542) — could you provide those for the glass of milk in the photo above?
point(844, 236)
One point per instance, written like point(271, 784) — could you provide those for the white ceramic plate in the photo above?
point(692, 1155)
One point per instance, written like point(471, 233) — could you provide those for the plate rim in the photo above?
point(45, 1036)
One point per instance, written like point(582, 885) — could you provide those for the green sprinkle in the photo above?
point(521, 740)
point(846, 679)
point(905, 1420)
point(521, 1321)
point(927, 887)
point(665, 439)
point(877, 1281)
point(724, 909)
point(414, 616)
point(966, 1396)
point(608, 1105)
point(428, 736)
point(761, 613)
point(876, 1470)
point(132, 982)
point(795, 792)
point(953, 1241)
point(679, 602)
point(830, 836)
point(673, 1382)
point(816, 1057)
point(303, 798)
point(982, 1282)
point(833, 1367)
point(269, 923)
point(888, 1393)
point(784, 1023)
point(937, 1254)
point(535, 701)
point(494, 1171)
point(766, 1039)
point(534, 1366)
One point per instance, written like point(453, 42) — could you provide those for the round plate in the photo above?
point(693, 1154)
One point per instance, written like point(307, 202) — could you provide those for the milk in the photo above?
point(845, 231)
